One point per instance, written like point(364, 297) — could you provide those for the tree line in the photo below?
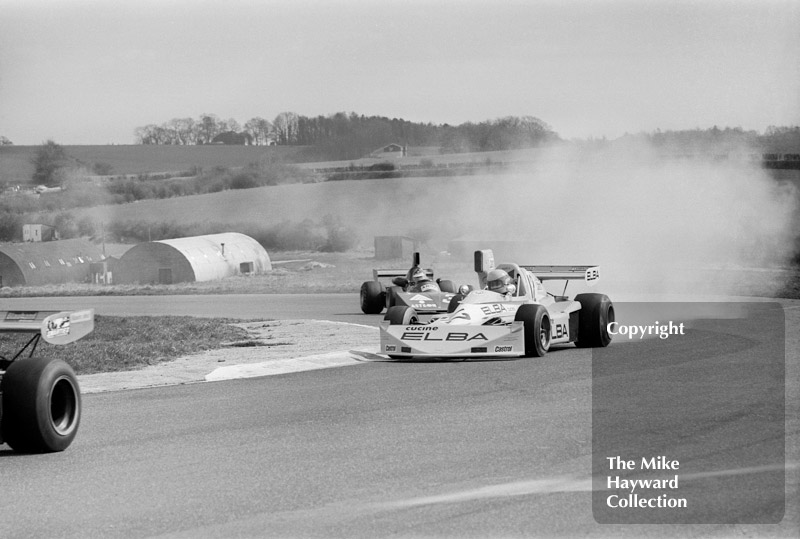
point(350, 135)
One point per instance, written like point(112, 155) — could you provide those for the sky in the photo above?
point(91, 72)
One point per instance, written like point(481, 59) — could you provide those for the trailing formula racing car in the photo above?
point(40, 402)
point(414, 288)
point(511, 314)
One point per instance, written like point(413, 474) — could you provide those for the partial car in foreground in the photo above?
point(40, 402)
point(511, 314)
point(414, 288)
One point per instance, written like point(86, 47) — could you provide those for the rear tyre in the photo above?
point(447, 286)
point(41, 405)
point(596, 313)
point(536, 327)
point(372, 297)
point(401, 315)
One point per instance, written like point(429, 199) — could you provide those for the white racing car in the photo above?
point(510, 315)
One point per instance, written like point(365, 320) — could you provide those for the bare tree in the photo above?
point(286, 127)
point(183, 130)
point(230, 124)
point(48, 160)
point(207, 128)
point(259, 129)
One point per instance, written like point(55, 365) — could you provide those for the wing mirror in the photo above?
point(400, 281)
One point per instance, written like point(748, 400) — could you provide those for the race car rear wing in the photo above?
point(591, 274)
point(484, 262)
point(376, 273)
point(55, 327)
point(386, 273)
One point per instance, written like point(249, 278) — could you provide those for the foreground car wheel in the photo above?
point(401, 315)
point(537, 329)
point(41, 405)
point(596, 313)
point(372, 297)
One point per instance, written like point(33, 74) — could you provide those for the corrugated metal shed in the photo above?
point(198, 258)
point(50, 262)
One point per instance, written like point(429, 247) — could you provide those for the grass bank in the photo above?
point(124, 343)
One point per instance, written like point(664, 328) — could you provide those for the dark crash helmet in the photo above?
point(498, 280)
point(419, 276)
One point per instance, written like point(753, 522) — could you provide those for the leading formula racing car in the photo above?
point(415, 288)
point(40, 402)
point(510, 315)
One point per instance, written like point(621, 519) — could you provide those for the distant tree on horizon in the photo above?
point(48, 160)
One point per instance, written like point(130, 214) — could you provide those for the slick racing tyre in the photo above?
point(372, 297)
point(447, 286)
point(536, 327)
point(41, 405)
point(596, 313)
point(401, 315)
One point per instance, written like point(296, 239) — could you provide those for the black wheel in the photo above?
point(41, 405)
point(372, 297)
point(447, 286)
point(537, 329)
point(391, 296)
point(401, 315)
point(596, 313)
point(454, 302)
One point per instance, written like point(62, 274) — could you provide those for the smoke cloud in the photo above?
point(654, 224)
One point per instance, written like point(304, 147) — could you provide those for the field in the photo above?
point(16, 167)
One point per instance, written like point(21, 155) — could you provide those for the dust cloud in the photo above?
point(654, 224)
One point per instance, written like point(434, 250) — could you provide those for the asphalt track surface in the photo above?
point(383, 448)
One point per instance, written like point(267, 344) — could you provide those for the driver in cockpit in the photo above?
point(418, 281)
point(499, 281)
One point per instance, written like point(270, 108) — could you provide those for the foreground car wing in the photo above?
point(55, 327)
point(443, 340)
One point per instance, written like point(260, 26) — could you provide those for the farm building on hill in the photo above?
point(198, 258)
point(50, 262)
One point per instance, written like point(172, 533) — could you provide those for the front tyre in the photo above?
point(41, 405)
point(401, 315)
point(537, 328)
point(372, 297)
point(596, 313)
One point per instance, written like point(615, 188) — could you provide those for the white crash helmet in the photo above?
point(498, 280)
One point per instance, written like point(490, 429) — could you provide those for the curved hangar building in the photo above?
point(47, 262)
point(198, 258)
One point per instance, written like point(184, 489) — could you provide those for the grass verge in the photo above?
point(124, 343)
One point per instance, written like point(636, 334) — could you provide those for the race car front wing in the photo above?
point(422, 340)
